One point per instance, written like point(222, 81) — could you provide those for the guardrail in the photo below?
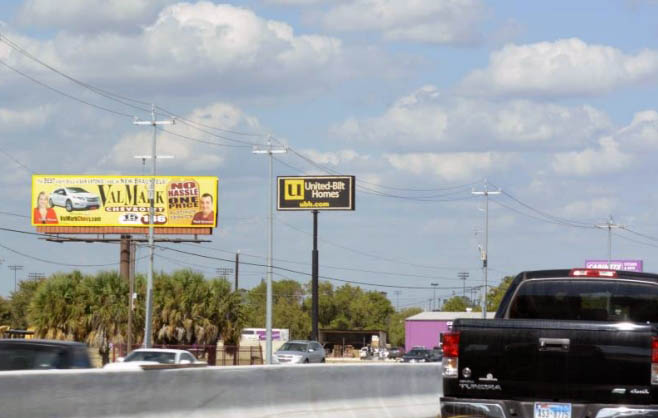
point(370, 390)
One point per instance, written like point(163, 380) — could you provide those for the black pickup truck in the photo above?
point(579, 343)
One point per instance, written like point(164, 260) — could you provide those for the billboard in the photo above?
point(123, 201)
point(624, 265)
point(316, 193)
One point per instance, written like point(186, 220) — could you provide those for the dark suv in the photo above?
point(20, 354)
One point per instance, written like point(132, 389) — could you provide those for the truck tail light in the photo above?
point(450, 354)
point(654, 361)
point(592, 273)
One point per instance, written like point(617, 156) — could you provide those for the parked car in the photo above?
point(73, 198)
point(395, 352)
point(417, 355)
point(20, 354)
point(150, 356)
point(300, 351)
point(436, 354)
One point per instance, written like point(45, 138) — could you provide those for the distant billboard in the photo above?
point(123, 201)
point(316, 193)
point(624, 265)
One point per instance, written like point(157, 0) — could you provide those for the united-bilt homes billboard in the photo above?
point(312, 193)
point(71, 200)
point(624, 265)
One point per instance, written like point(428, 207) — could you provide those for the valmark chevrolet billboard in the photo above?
point(71, 200)
point(316, 193)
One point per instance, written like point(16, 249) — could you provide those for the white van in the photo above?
point(259, 334)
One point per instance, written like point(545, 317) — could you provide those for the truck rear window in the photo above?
point(587, 300)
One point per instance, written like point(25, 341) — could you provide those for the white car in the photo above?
point(150, 356)
point(73, 198)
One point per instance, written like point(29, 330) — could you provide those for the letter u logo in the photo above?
point(293, 189)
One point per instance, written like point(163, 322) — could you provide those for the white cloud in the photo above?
point(434, 21)
point(333, 158)
point(566, 67)
point(90, 15)
point(426, 118)
point(450, 166)
point(192, 48)
point(590, 208)
point(607, 158)
point(642, 133)
point(24, 120)
point(294, 2)
point(187, 153)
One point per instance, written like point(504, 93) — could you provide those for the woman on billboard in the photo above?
point(43, 214)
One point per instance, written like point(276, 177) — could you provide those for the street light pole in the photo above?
point(149, 278)
point(485, 253)
point(434, 285)
point(270, 234)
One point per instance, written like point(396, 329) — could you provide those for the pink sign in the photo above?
point(623, 265)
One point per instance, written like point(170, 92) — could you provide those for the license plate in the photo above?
point(552, 410)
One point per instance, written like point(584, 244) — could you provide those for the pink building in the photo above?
point(425, 328)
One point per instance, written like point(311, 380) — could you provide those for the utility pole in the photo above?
point(15, 268)
point(609, 225)
point(434, 285)
point(397, 300)
point(463, 275)
point(485, 253)
point(35, 276)
point(270, 232)
point(224, 271)
point(237, 268)
point(149, 277)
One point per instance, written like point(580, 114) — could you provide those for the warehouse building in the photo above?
point(425, 328)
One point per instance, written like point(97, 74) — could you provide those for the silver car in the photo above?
point(299, 351)
point(73, 198)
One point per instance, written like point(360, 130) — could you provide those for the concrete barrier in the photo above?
point(345, 390)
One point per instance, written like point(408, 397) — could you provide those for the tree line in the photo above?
point(189, 308)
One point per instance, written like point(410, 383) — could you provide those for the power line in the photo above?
point(549, 216)
point(56, 90)
point(377, 257)
point(373, 191)
point(354, 269)
point(301, 272)
point(203, 141)
point(55, 262)
point(97, 90)
point(20, 164)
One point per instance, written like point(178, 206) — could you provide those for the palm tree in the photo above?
point(106, 314)
point(183, 309)
point(57, 309)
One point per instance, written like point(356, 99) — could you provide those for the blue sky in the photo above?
point(554, 102)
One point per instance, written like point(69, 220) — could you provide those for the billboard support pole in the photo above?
point(149, 278)
point(314, 285)
point(131, 301)
point(124, 257)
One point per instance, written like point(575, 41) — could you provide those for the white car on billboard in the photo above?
point(73, 198)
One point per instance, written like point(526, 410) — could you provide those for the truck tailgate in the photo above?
point(554, 360)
